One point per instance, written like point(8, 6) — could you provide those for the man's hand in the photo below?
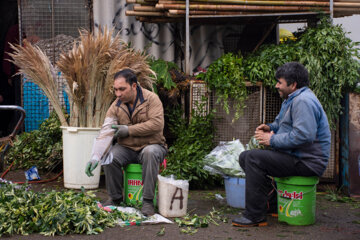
point(121, 132)
point(263, 137)
point(263, 127)
point(90, 166)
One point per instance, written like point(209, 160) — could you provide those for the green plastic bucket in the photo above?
point(296, 199)
point(133, 184)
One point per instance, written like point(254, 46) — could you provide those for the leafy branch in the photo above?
point(226, 77)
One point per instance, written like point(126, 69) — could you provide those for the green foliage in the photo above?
point(334, 195)
point(328, 55)
point(41, 148)
point(262, 65)
point(51, 213)
point(325, 51)
point(193, 142)
point(226, 77)
point(162, 68)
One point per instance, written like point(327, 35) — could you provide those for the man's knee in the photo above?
point(250, 157)
point(152, 152)
point(242, 158)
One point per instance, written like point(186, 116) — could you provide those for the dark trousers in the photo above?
point(258, 166)
point(150, 157)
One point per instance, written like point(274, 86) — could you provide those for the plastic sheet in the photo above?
point(224, 159)
point(184, 184)
point(103, 142)
point(32, 174)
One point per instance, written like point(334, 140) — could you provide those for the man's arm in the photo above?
point(303, 130)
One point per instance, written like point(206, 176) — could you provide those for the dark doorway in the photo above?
point(10, 86)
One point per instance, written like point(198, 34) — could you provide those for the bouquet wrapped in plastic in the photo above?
point(224, 159)
point(254, 144)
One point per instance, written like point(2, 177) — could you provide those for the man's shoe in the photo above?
point(244, 222)
point(111, 202)
point(148, 208)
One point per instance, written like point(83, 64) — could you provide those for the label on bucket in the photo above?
point(135, 187)
point(287, 206)
point(291, 195)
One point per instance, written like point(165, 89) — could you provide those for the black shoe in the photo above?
point(112, 202)
point(244, 222)
point(148, 208)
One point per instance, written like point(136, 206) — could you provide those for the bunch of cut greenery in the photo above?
point(225, 76)
point(41, 148)
point(325, 50)
point(51, 213)
point(193, 142)
point(327, 53)
point(89, 69)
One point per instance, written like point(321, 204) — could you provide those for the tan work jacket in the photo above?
point(146, 124)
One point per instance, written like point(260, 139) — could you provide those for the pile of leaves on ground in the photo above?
point(23, 211)
point(41, 148)
point(189, 223)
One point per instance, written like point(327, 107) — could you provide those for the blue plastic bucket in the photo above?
point(235, 191)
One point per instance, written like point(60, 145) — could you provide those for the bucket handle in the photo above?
point(278, 192)
point(72, 129)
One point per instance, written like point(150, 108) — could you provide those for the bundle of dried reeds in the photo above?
point(36, 66)
point(89, 69)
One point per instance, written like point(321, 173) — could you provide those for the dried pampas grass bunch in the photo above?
point(36, 66)
point(89, 68)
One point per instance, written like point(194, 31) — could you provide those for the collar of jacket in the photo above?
point(296, 93)
point(139, 94)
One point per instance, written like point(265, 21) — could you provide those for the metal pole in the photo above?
point(331, 9)
point(53, 29)
point(187, 46)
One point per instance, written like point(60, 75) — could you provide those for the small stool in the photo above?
point(296, 197)
point(133, 184)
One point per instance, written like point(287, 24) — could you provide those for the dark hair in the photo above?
point(128, 74)
point(293, 72)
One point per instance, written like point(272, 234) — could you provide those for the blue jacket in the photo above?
point(302, 130)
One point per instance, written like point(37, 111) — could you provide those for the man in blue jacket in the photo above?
point(299, 140)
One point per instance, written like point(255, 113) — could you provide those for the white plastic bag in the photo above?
point(224, 159)
point(103, 142)
point(173, 196)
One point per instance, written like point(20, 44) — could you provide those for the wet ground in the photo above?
point(334, 220)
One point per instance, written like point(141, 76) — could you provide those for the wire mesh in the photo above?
point(52, 25)
point(272, 105)
point(244, 127)
point(330, 169)
point(199, 95)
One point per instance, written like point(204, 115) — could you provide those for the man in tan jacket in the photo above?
point(139, 115)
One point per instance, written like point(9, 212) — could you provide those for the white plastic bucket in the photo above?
point(173, 197)
point(77, 146)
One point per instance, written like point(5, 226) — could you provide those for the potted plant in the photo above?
point(88, 68)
